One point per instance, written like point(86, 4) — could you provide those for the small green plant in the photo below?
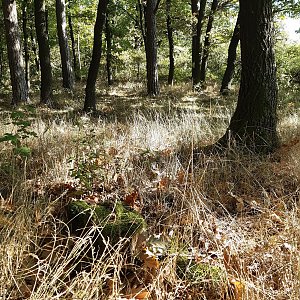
point(21, 120)
point(87, 164)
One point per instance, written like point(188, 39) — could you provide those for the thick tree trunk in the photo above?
point(76, 63)
point(254, 121)
point(90, 99)
point(207, 41)
point(198, 13)
point(171, 43)
point(66, 62)
point(108, 37)
point(44, 51)
point(151, 49)
point(227, 78)
point(26, 42)
point(14, 50)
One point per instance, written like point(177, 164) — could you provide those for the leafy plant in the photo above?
point(21, 121)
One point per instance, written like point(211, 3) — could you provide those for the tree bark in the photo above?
point(198, 13)
point(171, 43)
point(76, 62)
point(207, 41)
point(14, 50)
point(90, 99)
point(108, 37)
point(34, 50)
point(141, 15)
point(227, 78)
point(26, 42)
point(44, 51)
point(151, 49)
point(66, 62)
point(254, 122)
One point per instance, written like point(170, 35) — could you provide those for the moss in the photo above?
point(199, 273)
point(116, 220)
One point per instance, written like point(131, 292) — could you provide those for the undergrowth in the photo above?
point(223, 227)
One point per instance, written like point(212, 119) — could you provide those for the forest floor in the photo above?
point(224, 226)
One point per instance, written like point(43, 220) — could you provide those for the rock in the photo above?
point(115, 220)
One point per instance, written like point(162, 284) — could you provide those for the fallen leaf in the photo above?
point(131, 199)
point(238, 289)
point(180, 176)
point(163, 183)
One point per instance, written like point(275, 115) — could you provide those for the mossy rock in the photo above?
point(199, 273)
point(115, 221)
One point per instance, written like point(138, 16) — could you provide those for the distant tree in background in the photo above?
point(207, 41)
point(254, 121)
point(171, 42)
point(66, 62)
point(14, 50)
point(228, 75)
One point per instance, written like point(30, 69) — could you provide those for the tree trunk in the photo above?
point(207, 41)
point(66, 63)
point(254, 121)
point(151, 49)
point(227, 78)
point(76, 63)
point(90, 100)
point(34, 50)
point(108, 37)
point(171, 43)
point(26, 42)
point(17, 74)
point(198, 13)
point(141, 15)
point(44, 51)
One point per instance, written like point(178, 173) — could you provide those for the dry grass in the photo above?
point(235, 214)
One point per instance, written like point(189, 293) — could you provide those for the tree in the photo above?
point(171, 43)
point(198, 11)
point(90, 99)
point(207, 41)
point(44, 51)
point(26, 42)
point(108, 37)
point(66, 62)
point(151, 48)
point(254, 121)
point(227, 78)
point(14, 50)
point(76, 60)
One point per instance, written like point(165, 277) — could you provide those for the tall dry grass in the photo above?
point(235, 213)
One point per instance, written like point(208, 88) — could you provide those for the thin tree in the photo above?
point(207, 41)
point(26, 41)
point(228, 75)
point(90, 97)
point(66, 62)
point(76, 61)
point(254, 121)
point(198, 11)
point(151, 48)
point(44, 51)
point(14, 50)
point(108, 38)
point(171, 43)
